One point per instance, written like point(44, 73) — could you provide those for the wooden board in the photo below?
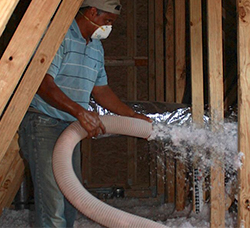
point(196, 68)
point(196, 61)
point(180, 49)
point(11, 183)
point(171, 178)
point(11, 174)
point(5, 163)
point(160, 96)
point(244, 109)
point(169, 51)
point(180, 174)
point(132, 88)
point(151, 50)
point(38, 67)
point(180, 83)
point(6, 9)
point(18, 54)
point(151, 85)
point(215, 74)
point(126, 61)
point(159, 50)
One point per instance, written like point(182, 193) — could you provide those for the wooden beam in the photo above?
point(196, 73)
point(153, 169)
point(22, 46)
point(126, 61)
point(216, 97)
point(196, 61)
point(151, 89)
point(170, 55)
point(38, 67)
point(159, 50)
point(11, 183)
point(151, 50)
point(180, 175)
point(180, 84)
point(180, 49)
point(171, 178)
point(243, 7)
point(5, 163)
point(170, 91)
point(160, 88)
point(11, 174)
point(138, 193)
point(131, 49)
point(6, 9)
point(132, 88)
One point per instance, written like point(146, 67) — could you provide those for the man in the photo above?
point(76, 73)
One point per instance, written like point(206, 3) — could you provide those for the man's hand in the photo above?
point(91, 122)
point(54, 96)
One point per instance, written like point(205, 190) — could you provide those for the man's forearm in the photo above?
point(109, 100)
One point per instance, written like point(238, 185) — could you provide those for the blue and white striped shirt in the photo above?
point(76, 69)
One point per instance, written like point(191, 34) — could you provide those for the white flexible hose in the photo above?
point(73, 189)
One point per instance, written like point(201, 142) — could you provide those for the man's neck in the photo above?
point(81, 22)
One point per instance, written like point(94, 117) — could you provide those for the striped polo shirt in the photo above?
point(76, 68)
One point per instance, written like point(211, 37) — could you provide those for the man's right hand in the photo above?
point(91, 122)
point(54, 96)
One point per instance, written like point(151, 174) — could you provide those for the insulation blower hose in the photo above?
point(74, 191)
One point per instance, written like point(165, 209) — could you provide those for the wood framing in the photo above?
point(196, 71)
point(11, 174)
point(196, 61)
point(180, 81)
point(20, 100)
point(180, 49)
point(170, 91)
point(151, 50)
point(160, 96)
point(215, 75)
point(23, 67)
point(18, 54)
point(169, 52)
point(132, 87)
point(244, 109)
point(6, 9)
point(41, 61)
point(159, 50)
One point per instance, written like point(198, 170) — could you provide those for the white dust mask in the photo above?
point(102, 32)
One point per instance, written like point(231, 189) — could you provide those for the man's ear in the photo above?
point(93, 12)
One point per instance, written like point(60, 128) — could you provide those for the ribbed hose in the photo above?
point(73, 190)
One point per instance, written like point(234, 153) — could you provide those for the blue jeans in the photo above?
point(38, 134)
